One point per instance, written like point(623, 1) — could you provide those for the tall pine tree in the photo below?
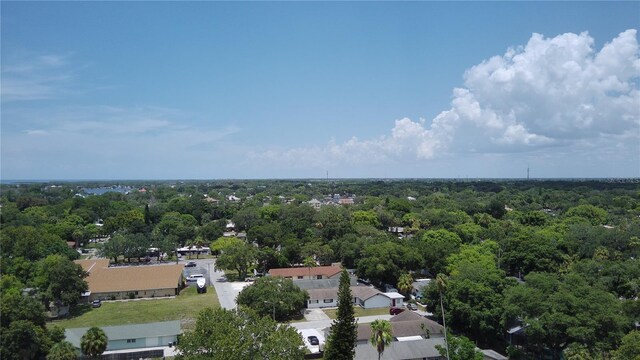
point(344, 330)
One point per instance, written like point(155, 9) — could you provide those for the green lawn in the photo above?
point(185, 307)
point(358, 312)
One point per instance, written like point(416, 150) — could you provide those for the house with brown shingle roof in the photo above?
point(302, 273)
point(125, 282)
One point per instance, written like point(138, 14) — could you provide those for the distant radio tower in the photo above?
point(327, 174)
point(527, 172)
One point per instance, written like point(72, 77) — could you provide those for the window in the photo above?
point(313, 301)
point(327, 301)
point(300, 277)
point(319, 277)
point(131, 341)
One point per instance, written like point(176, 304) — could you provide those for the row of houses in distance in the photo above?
point(332, 200)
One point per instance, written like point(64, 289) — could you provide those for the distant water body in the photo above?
point(103, 190)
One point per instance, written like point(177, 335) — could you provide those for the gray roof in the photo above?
point(307, 284)
point(407, 323)
point(364, 292)
point(318, 294)
point(490, 354)
point(401, 350)
point(134, 331)
point(419, 284)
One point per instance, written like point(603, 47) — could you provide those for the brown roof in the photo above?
point(103, 279)
point(407, 323)
point(305, 271)
point(364, 292)
point(89, 265)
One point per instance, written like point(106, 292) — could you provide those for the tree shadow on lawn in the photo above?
point(78, 310)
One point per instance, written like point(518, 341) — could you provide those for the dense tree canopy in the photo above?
point(274, 296)
point(493, 240)
point(224, 334)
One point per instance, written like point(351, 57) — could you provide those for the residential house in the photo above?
point(315, 203)
point(418, 285)
point(124, 282)
point(210, 199)
point(364, 296)
point(134, 336)
point(193, 250)
point(414, 337)
point(403, 350)
point(489, 354)
point(300, 273)
point(346, 201)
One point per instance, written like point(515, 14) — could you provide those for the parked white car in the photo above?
point(194, 277)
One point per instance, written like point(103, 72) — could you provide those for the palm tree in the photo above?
point(405, 284)
point(380, 335)
point(94, 342)
point(309, 262)
point(441, 283)
point(63, 350)
point(198, 242)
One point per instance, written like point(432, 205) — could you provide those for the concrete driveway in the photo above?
point(227, 291)
point(315, 315)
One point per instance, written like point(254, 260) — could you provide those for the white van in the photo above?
point(194, 277)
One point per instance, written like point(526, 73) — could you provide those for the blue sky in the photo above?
point(205, 90)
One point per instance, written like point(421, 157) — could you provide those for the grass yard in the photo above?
point(358, 312)
point(184, 307)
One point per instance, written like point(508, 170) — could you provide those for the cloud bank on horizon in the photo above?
point(556, 100)
point(552, 92)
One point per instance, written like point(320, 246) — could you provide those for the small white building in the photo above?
point(396, 298)
point(315, 203)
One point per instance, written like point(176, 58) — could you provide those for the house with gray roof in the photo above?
point(365, 296)
point(414, 337)
point(402, 350)
point(134, 336)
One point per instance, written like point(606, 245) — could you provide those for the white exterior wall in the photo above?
point(377, 301)
point(321, 304)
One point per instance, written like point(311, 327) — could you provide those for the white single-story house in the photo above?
point(364, 296)
point(132, 336)
point(192, 250)
point(396, 298)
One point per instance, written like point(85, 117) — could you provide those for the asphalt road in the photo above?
point(227, 291)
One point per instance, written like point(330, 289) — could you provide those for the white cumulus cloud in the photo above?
point(551, 92)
